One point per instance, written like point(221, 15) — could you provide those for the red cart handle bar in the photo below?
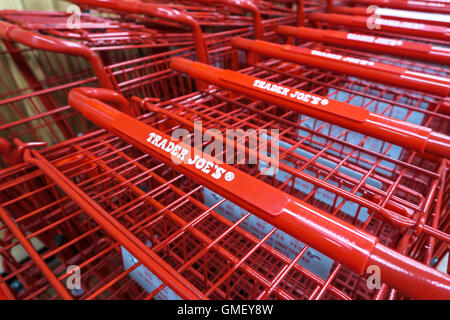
point(156, 11)
point(11, 32)
point(394, 26)
point(335, 238)
point(362, 68)
point(358, 119)
point(409, 49)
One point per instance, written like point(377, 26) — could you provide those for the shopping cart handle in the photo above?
point(326, 233)
point(403, 48)
point(358, 119)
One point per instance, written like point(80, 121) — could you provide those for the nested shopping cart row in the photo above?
point(348, 184)
point(343, 197)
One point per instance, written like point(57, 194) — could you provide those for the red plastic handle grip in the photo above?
point(397, 47)
point(399, 132)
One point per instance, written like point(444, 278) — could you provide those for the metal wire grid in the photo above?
point(409, 179)
point(37, 108)
point(70, 238)
point(35, 104)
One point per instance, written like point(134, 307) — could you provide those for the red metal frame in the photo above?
point(113, 52)
point(10, 33)
point(52, 120)
point(210, 226)
point(102, 193)
point(99, 34)
point(245, 5)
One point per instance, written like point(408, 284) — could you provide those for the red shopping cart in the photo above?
point(42, 114)
point(213, 17)
point(69, 238)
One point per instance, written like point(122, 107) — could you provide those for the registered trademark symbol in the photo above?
point(229, 176)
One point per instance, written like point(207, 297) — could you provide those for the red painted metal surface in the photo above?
point(99, 34)
point(155, 11)
point(120, 45)
point(10, 32)
point(380, 45)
